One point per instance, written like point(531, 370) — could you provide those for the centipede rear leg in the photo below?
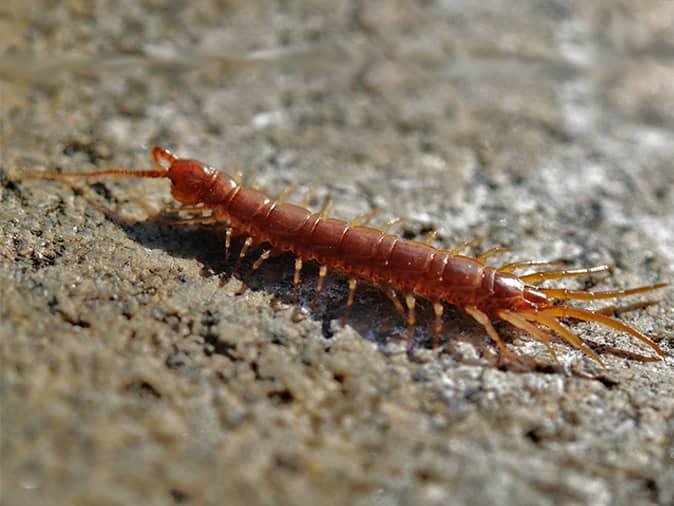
point(538, 277)
point(483, 319)
point(566, 294)
point(530, 329)
point(523, 264)
point(594, 317)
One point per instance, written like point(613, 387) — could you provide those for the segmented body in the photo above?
point(364, 252)
point(411, 268)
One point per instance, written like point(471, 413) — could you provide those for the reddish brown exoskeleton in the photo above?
point(413, 269)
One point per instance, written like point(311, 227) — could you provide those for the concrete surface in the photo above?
point(133, 374)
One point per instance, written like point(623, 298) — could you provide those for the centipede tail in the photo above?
point(591, 316)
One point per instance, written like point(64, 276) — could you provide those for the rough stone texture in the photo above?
point(133, 374)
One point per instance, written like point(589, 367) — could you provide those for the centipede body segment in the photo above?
point(405, 270)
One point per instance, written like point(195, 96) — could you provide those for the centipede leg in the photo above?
point(410, 301)
point(308, 197)
point(296, 279)
point(244, 249)
point(349, 299)
point(591, 316)
point(471, 243)
point(537, 277)
point(194, 220)
point(574, 340)
point(493, 252)
point(528, 263)
point(364, 218)
point(228, 242)
point(393, 297)
point(565, 294)
point(252, 180)
point(326, 206)
point(438, 310)
point(161, 154)
point(522, 324)
point(237, 175)
point(322, 273)
point(286, 192)
point(390, 224)
point(484, 320)
point(431, 237)
point(256, 265)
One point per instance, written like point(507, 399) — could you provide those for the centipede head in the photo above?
point(189, 179)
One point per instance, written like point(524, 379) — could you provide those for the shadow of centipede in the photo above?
point(373, 316)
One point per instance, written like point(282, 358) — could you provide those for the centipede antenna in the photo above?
point(51, 174)
point(159, 155)
point(591, 316)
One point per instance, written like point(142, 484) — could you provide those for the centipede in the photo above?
point(407, 271)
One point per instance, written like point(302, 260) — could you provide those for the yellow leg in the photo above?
point(566, 334)
point(537, 277)
point(591, 316)
point(484, 320)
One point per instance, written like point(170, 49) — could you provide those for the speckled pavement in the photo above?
point(132, 373)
